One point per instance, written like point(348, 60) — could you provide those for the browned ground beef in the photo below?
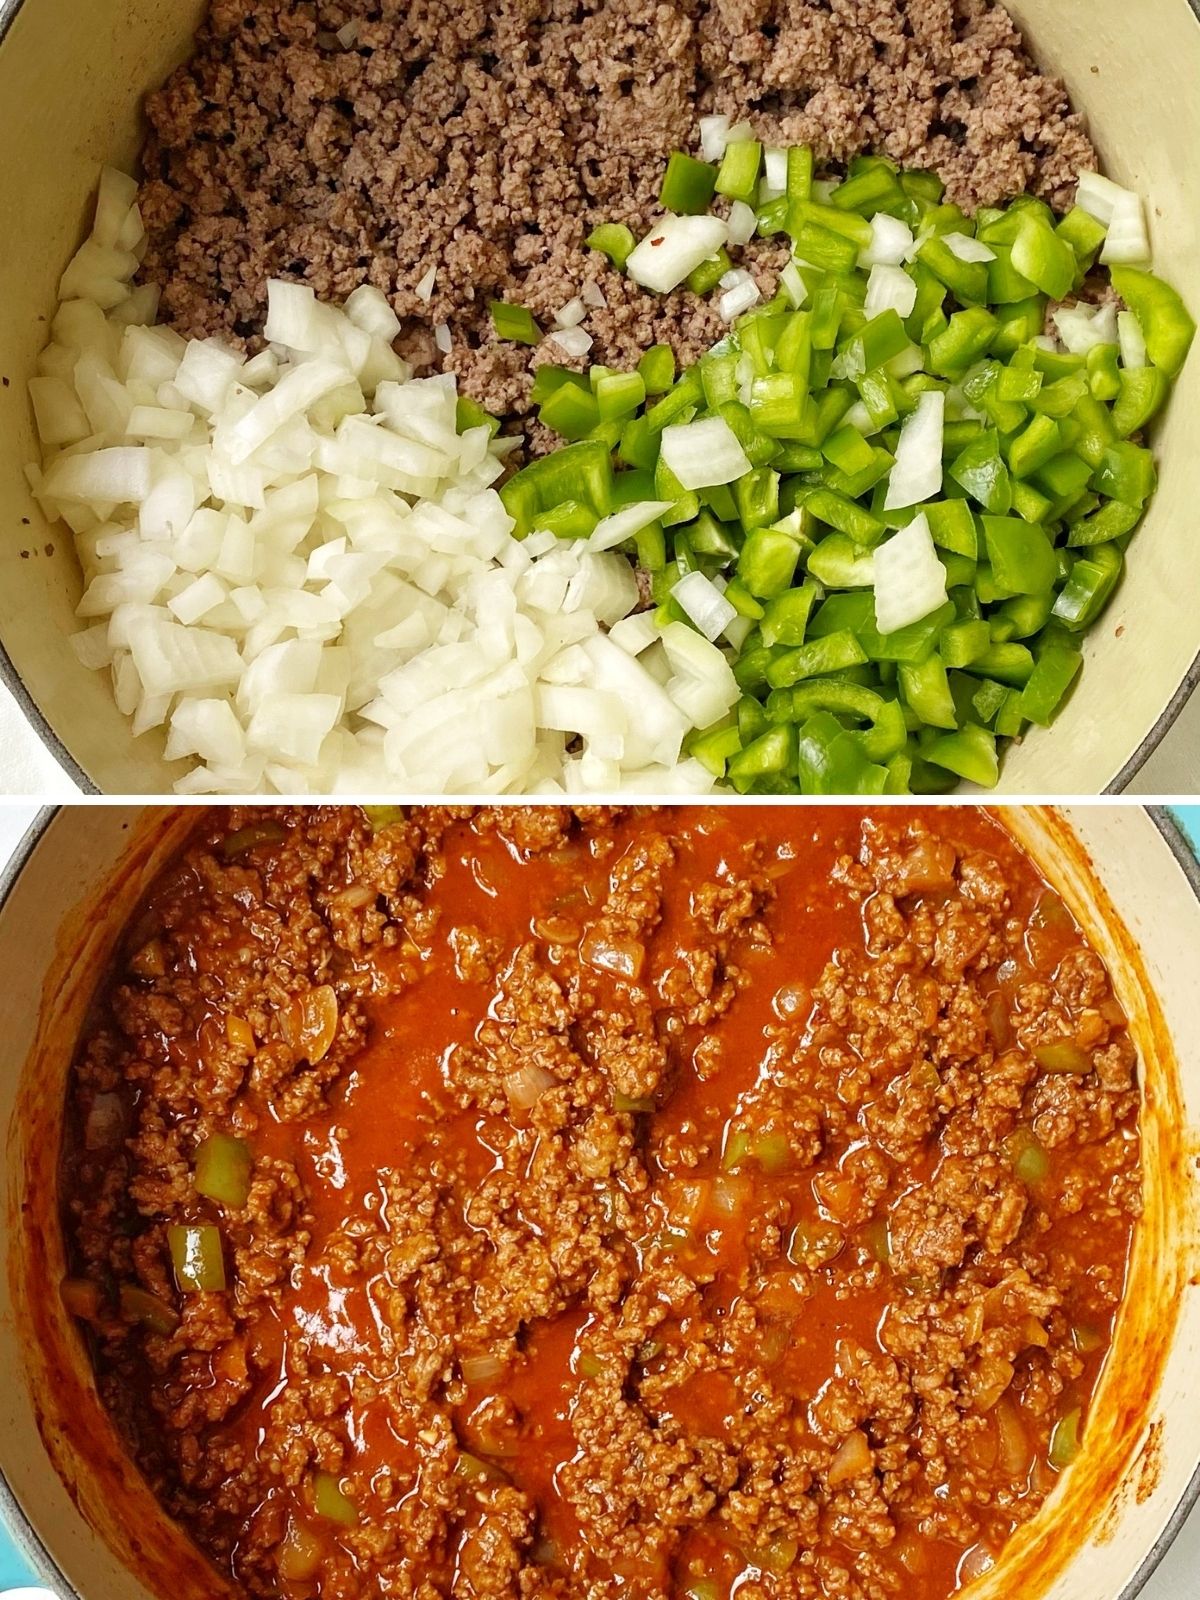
point(639, 1200)
point(488, 139)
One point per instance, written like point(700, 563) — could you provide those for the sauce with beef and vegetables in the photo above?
point(615, 1203)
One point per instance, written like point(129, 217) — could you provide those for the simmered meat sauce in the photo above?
point(519, 1203)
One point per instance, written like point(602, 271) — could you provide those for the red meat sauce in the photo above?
point(695, 1202)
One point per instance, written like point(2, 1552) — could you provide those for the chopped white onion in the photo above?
point(1131, 339)
point(703, 454)
point(570, 315)
point(916, 474)
point(737, 299)
point(424, 285)
point(674, 247)
point(1127, 243)
point(909, 579)
point(890, 288)
point(891, 241)
point(573, 342)
point(441, 338)
point(793, 285)
point(1098, 196)
point(620, 525)
point(714, 132)
point(742, 222)
point(774, 182)
point(704, 604)
point(1081, 327)
point(593, 295)
point(967, 248)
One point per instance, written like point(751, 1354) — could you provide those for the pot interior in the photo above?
point(88, 1518)
point(71, 78)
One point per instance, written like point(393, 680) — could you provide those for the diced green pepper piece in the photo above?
point(618, 395)
point(847, 516)
point(963, 341)
point(1084, 234)
point(1020, 554)
point(330, 1500)
point(1040, 442)
point(817, 658)
point(688, 185)
point(767, 563)
point(1104, 376)
point(785, 616)
point(614, 240)
point(709, 273)
point(774, 751)
point(737, 176)
point(1064, 1441)
point(981, 471)
point(1111, 521)
point(223, 1168)
point(514, 322)
point(1141, 392)
point(580, 471)
point(839, 563)
point(1011, 663)
point(1126, 473)
point(970, 753)
point(1167, 327)
point(570, 411)
point(926, 690)
point(756, 494)
point(967, 280)
point(848, 450)
point(1045, 259)
point(964, 642)
point(824, 248)
point(830, 760)
point(197, 1257)
point(876, 343)
point(1021, 617)
point(469, 413)
point(799, 172)
point(713, 747)
point(657, 368)
point(1086, 592)
point(1057, 663)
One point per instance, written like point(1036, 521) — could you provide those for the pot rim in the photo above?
point(46, 1568)
point(41, 725)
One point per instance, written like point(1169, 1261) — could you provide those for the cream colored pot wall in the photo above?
point(1094, 1540)
point(72, 76)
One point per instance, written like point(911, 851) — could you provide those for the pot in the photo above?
point(88, 1524)
point(71, 79)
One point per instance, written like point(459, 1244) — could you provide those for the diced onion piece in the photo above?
point(673, 248)
point(1098, 196)
point(524, 1088)
point(703, 454)
point(967, 248)
point(570, 315)
point(441, 338)
point(1128, 243)
point(739, 298)
point(593, 295)
point(424, 285)
point(910, 581)
point(890, 288)
point(774, 181)
point(1131, 339)
point(917, 472)
point(794, 286)
point(742, 222)
point(714, 134)
point(1081, 327)
point(704, 604)
point(574, 342)
point(891, 241)
point(620, 525)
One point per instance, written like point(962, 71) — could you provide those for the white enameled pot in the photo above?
point(72, 77)
point(89, 1525)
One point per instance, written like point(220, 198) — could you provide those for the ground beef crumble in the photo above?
point(698, 1249)
point(487, 141)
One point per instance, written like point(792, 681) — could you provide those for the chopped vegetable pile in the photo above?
point(874, 521)
point(895, 501)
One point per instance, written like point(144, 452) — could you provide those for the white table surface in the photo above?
point(1178, 1578)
